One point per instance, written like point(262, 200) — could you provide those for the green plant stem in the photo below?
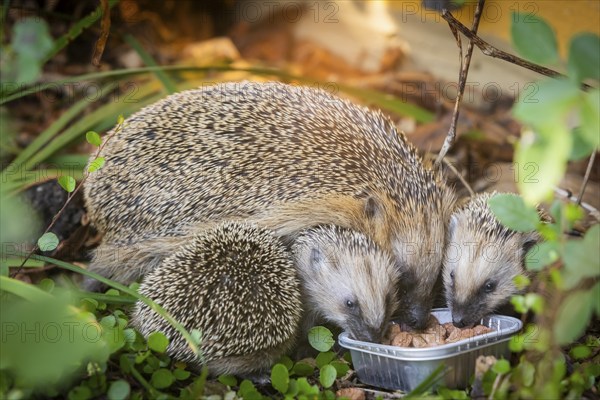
point(151, 391)
point(30, 178)
point(105, 298)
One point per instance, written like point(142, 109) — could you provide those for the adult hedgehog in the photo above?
point(288, 158)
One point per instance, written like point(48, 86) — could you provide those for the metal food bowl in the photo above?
point(404, 368)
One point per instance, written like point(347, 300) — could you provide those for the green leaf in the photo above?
point(93, 138)
point(47, 285)
point(573, 213)
point(541, 255)
point(285, 360)
point(324, 358)
point(302, 368)
point(114, 337)
point(596, 296)
point(280, 378)
point(584, 57)
point(518, 302)
point(501, 367)
point(228, 380)
point(320, 338)
point(535, 302)
point(31, 38)
point(513, 213)
point(96, 164)
point(327, 375)
point(80, 393)
point(118, 390)
point(158, 342)
point(162, 378)
point(558, 95)
point(292, 389)
point(590, 118)
point(48, 242)
point(306, 388)
point(181, 374)
point(573, 316)
point(120, 119)
point(581, 148)
point(521, 282)
point(341, 367)
point(246, 386)
point(533, 38)
point(582, 257)
point(527, 372)
point(581, 351)
point(541, 160)
point(67, 183)
point(108, 322)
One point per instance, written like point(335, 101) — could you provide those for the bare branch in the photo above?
point(105, 26)
point(588, 171)
point(494, 52)
point(565, 194)
point(462, 79)
point(459, 176)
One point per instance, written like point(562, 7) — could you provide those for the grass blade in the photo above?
point(149, 302)
point(22, 289)
point(428, 383)
point(149, 61)
point(57, 126)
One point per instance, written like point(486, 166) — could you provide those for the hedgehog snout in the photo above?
point(462, 320)
point(367, 334)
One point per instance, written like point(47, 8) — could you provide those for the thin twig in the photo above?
point(494, 52)
point(105, 26)
point(462, 78)
point(588, 171)
point(70, 197)
point(459, 176)
point(565, 194)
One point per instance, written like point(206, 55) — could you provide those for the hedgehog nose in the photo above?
point(459, 321)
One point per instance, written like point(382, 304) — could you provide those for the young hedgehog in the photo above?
point(236, 284)
point(346, 281)
point(482, 258)
point(288, 158)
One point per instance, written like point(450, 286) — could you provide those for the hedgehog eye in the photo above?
point(350, 304)
point(452, 275)
point(489, 286)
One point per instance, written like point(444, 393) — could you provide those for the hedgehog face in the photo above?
point(418, 254)
point(479, 268)
point(347, 280)
point(414, 232)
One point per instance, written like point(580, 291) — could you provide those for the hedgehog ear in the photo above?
point(372, 208)
point(529, 242)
